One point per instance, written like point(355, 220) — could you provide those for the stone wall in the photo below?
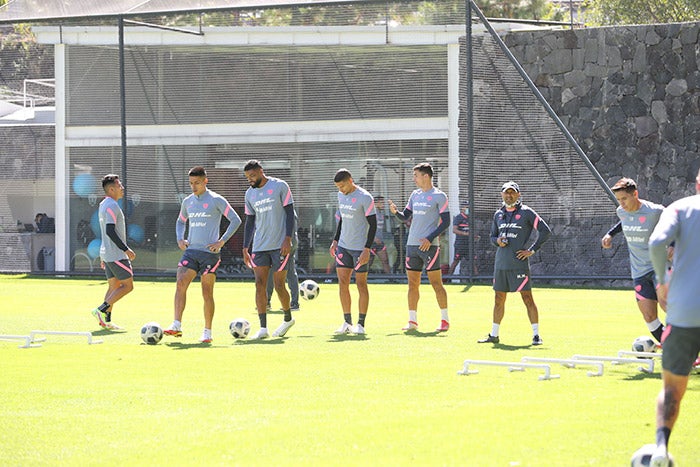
point(629, 95)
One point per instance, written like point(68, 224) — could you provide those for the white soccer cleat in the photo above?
point(359, 330)
point(345, 328)
point(411, 326)
point(113, 327)
point(100, 316)
point(206, 337)
point(261, 334)
point(283, 328)
point(659, 458)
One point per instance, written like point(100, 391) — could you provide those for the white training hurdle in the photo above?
point(569, 363)
point(90, 340)
point(512, 366)
point(649, 362)
point(28, 343)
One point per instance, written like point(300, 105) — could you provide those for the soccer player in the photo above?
point(511, 228)
point(638, 218)
point(427, 210)
point(679, 223)
point(460, 227)
point(378, 246)
point(267, 240)
point(202, 210)
point(351, 245)
point(292, 276)
point(115, 255)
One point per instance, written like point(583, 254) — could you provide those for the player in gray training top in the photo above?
point(428, 208)
point(351, 246)
point(512, 226)
point(115, 255)
point(679, 223)
point(638, 218)
point(203, 210)
point(267, 241)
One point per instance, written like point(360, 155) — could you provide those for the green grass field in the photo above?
point(313, 399)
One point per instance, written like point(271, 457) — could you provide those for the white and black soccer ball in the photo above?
point(239, 328)
point(644, 344)
point(642, 456)
point(151, 333)
point(309, 289)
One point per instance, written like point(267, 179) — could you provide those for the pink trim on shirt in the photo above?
point(369, 209)
point(444, 206)
point(289, 196)
point(111, 213)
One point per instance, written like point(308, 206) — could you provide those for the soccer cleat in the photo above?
point(206, 338)
point(359, 330)
point(659, 458)
point(261, 334)
point(345, 328)
point(283, 328)
point(537, 340)
point(489, 339)
point(113, 327)
point(294, 307)
point(444, 326)
point(173, 331)
point(268, 307)
point(100, 316)
point(411, 326)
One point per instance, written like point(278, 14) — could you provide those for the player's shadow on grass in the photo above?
point(274, 341)
point(348, 337)
point(107, 332)
point(190, 345)
point(511, 348)
point(641, 376)
point(416, 333)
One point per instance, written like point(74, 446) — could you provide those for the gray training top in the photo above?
point(110, 213)
point(637, 227)
point(426, 207)
point(680, 222)
point(354, 209)
point(267, 205)
point(204, 215)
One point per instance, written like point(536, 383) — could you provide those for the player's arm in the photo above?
point(248, 232)
point(111, 230)
point(180, 229)
point(336, 237)
point(663, 235)
point(606, 241)
point(371, 232)
point(495, 234)
point(442, 226)
point(543, 232)
point(288, 229)
point(234, 223)
point(404, 215)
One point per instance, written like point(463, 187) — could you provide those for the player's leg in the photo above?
point(280, 282)
point(293, 283)
point(344, 275)
point(280, 265)
point(183, 279)
point(647, 302)
point(261, 274)
point(499, 306)
point(363, 300)
point(413, 296)
point(208, 280)
point(269, 289)
point(435, 278)
point(118, 289)
point(533, 315)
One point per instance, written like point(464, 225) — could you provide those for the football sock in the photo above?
point(207, 333)
point(662, 436)
point(108, 317)
point(443, 312)
point(103, 308)
point(176, 324)
point(656, 329)
point(535, 329)
point(287, 314)
point(348, 318)
point(413, 316)
point(494, 329)
point(263, 320)
point(361, 320)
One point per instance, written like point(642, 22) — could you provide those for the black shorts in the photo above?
point(416, 259)
point(680, 349)
point(271, 258)
point(645, 287)
point(506, 280)
point(461, 249)
point(345, 258)
point(120, 269)
point(203, 262)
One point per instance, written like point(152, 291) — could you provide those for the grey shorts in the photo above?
point(680, 349)
point(120, 269)
point(507, 280)
point(345, 258)
point(416, 259)
point(271, 259)
point(203, 262)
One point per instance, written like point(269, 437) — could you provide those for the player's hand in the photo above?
point(102, 264)
point(183, 244)
point(392, 207)
point(286, 246)
point(216, 246)
point(364, 257)
point(606, 241)
point(246, 258)
point(333, 248)
point(424, 244)
point(669, 253)
point(501, 241)
point(524, 254)
point(130, 254)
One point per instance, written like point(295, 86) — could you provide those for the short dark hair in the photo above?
point(624, 184)
point(342, 175)
point(425, 168)
point(252, 164)
point(197, 171)
point(109, 179)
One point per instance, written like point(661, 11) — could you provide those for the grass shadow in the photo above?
point(416, 333)
point(190, 345)
point(347, 337)
point(107, 332)
point(511, 348)
point(274, 341)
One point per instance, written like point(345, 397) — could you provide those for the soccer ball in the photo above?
point(151, 333)
point(644, 344)
point(309, 289)
point(239, 328)
point(642, 457)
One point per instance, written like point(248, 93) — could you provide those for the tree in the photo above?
point(615, 12)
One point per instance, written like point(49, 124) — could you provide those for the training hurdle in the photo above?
point(649, 362)
point(90, 340)
point(512, 366)
point(633, 353)
point(569, 363)
point(28, 343)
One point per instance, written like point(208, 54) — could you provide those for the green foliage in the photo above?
point(315, 399)
point(615, 12)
